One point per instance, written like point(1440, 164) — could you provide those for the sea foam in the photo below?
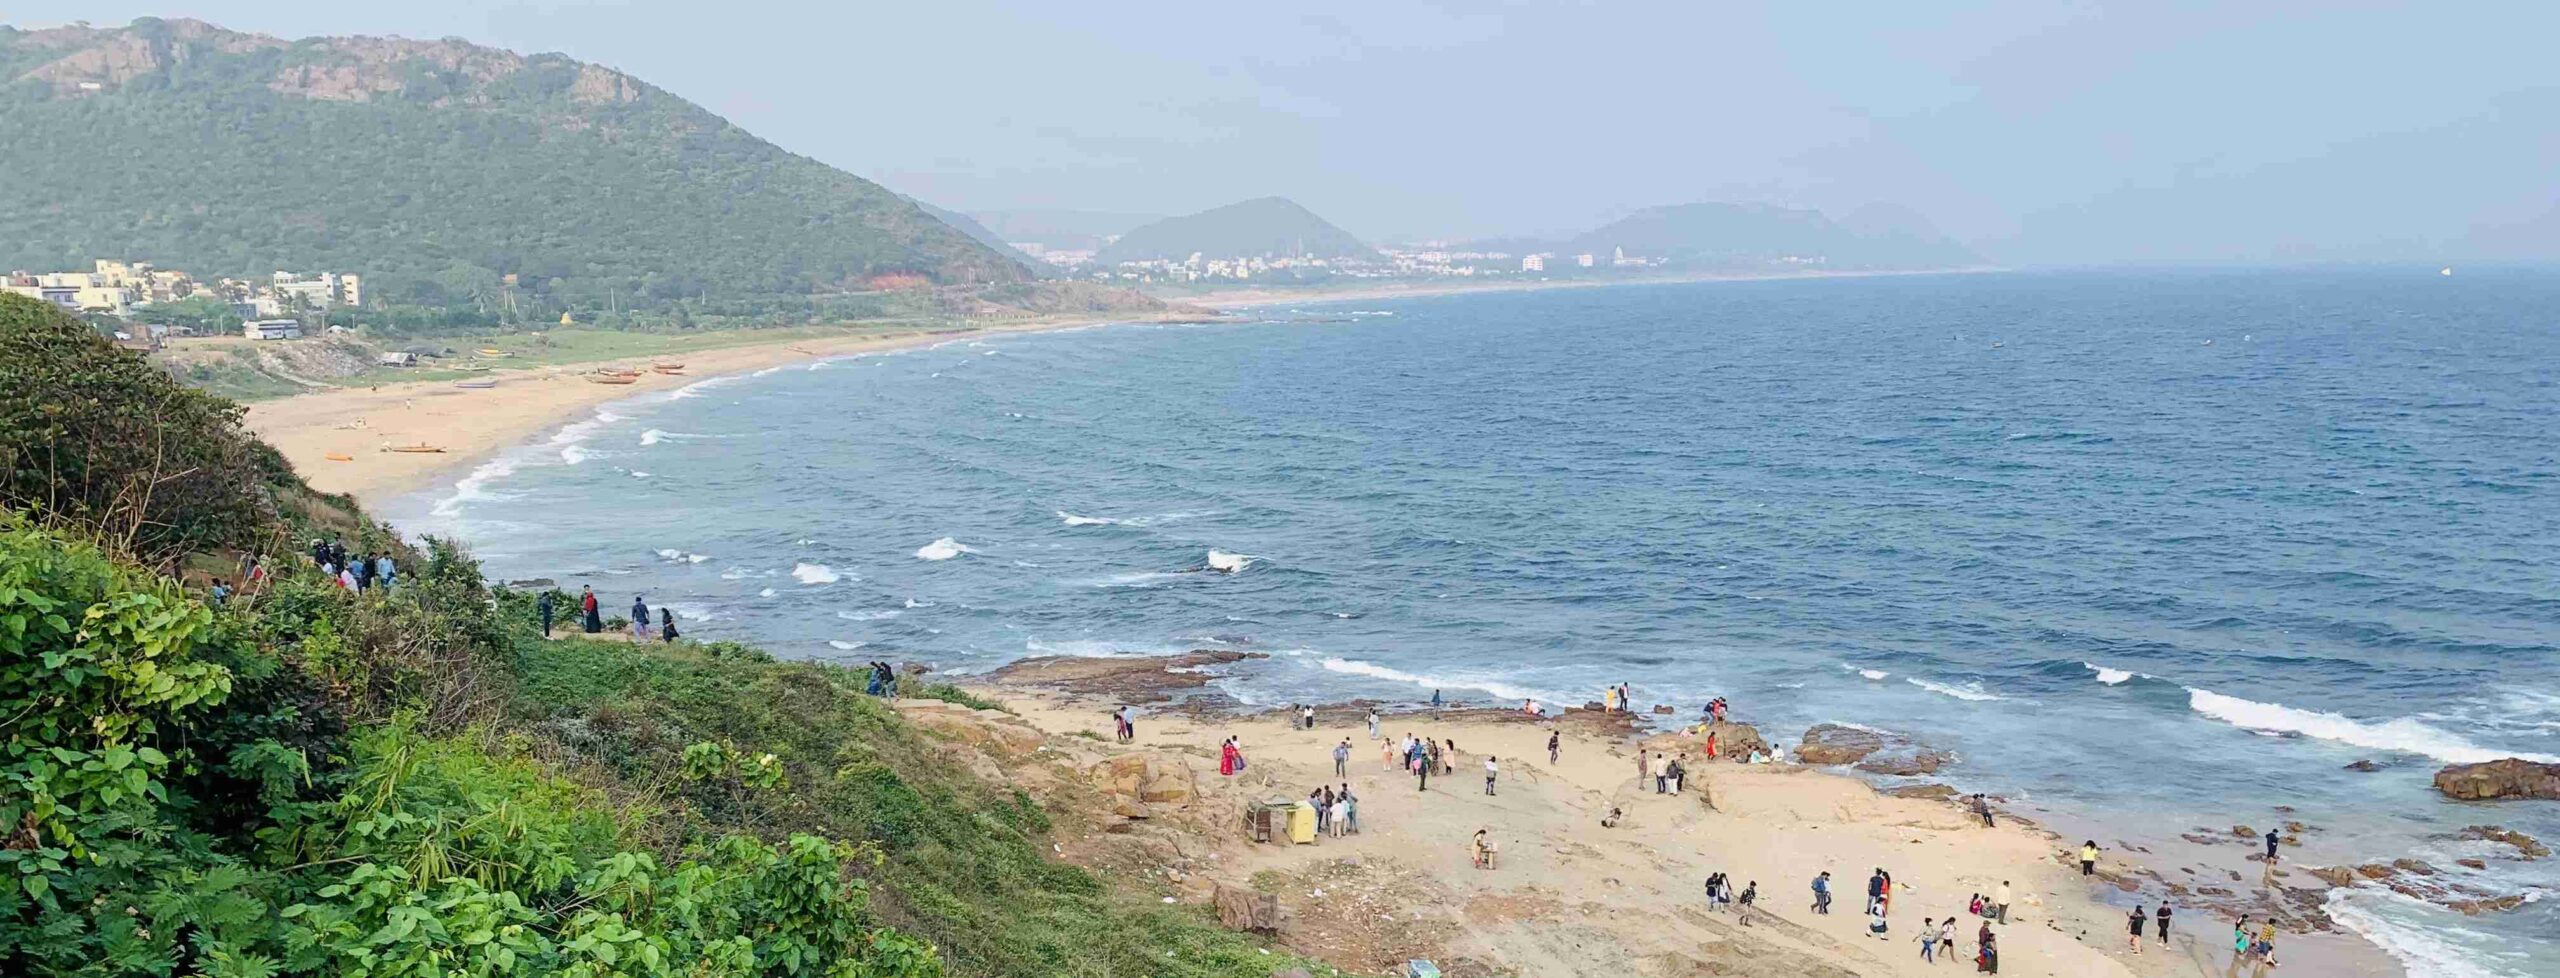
point(2108, 676)
point(1968, 691)
point(943, 549)
point(2400, 734)
point(814, 574)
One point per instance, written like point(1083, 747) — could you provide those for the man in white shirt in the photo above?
point(1490, 769)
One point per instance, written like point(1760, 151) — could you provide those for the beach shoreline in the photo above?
point(1558, 904)
point(340, 440)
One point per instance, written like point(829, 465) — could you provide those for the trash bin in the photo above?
point(1302, 823)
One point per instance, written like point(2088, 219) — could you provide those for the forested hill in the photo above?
point(433, 168)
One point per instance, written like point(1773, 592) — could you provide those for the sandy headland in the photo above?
point(1569, 896)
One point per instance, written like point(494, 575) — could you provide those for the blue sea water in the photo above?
point(2164, 549)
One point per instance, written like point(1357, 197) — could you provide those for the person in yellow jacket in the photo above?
point(2089, 858)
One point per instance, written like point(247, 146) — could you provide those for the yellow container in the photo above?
point(1302, 823)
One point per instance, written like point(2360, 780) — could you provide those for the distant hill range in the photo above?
point(1263, 227)
point(1875, 236)
point(1062, 228)
point(432, 167)
point(978, 232)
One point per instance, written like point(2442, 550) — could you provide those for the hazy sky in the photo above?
point(2038, 131)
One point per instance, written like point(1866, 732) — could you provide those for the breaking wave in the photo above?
point(814, 574)
point(943, 549)
point(1967, 691)
point(2400, 734)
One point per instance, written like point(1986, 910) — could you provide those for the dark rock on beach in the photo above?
point(1828, 743)
point(1133, 679)
point(2365, 766)
point(2513, 777)
point(2525, 845)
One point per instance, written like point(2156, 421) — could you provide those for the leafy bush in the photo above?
point(94, 437)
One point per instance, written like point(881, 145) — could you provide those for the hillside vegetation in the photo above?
point(434, 169)
point(411, 782)
point(1264, 226)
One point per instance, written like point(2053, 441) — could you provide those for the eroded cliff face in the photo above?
point(448, 71)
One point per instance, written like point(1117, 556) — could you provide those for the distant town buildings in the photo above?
point(115, 287)
point(1533, 263)
point(1583, 260)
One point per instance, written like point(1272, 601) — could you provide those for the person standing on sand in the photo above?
point(1423, 783)
point(1228, 758)
point(1373, 725)
point(1644, 769)
point(1350, 809)
point(1307, 713)
point(1987, 958)
point(639, 618)
point(1490, 769)
point(2000, 904)
point(2089, 857)
point(1555, 747)
point(1435, 701)
point(1875, 889)
point(1449, 758)
point(1822, 893)
point(593, 622)
point(2133, 929)
point(2271, 847)
point(1342, 759)
point(2160, 922)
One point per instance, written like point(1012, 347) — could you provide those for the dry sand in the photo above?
point(471, 425)
point(1572, 898)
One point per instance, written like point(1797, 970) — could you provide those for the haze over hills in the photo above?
point(978, 232)
point(1876, 236)
point(1264, 226)
point(433, 167)
point(1064, 228)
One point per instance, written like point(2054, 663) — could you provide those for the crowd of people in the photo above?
point(354, 572)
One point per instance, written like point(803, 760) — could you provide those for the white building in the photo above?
point(1582, 260)
point(1533, 263)
point(272, 329)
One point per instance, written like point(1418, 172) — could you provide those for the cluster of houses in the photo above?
point(266, 305)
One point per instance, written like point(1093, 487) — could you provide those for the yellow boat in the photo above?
point(495, 353)
point(336, 457)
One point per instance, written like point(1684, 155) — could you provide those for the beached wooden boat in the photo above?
point(419, 449)
point(613, 379)
point(674, 370)
point(339, 457)
point(476, 385)
point(500, 354)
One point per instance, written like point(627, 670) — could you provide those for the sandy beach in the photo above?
point(1567, 895)
point(470, 425)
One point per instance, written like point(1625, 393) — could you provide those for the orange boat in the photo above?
point(336, 457)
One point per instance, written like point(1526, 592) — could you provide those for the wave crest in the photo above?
point(2399, 734)
point(814, 574)
point(943, 549)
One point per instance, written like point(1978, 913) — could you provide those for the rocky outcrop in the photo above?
point(1871, 751)
point(2513, 777)
point(1127, 679)
point(991, 731)
point(1144, 785)
point(1829, 743)
point(1932, 791)
point(2525, 845)
point(1733, 740)
point(2364, 766)
point(1245, 910)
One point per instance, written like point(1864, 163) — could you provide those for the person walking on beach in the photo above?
point(1750, 896)
point(1342, 759)
point(1947, 938)
point(1490, 769)
point(2089, 857)
point(2133, 929)
point(639, 618)
point(1429, 760)
point(543, 606)
point(1929, 939)
point(1435, 701)
point(1307, 714)
point(2160, 922)
point(1229, 759)
point(1644, 768)
point(1986, 958)
point(1822, 893)
point(666, 625)
point(1555, 747)
point(1373, 725)
point(593, 622)
point(2271, 847)
point(2000, 904)
point(1875, 890)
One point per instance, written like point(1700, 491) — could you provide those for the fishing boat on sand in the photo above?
point(339, 457)
point(418, 449)
point(667, 368)
point(475, 385)
point(614, 379)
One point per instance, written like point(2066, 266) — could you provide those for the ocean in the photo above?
point(2160, 549)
